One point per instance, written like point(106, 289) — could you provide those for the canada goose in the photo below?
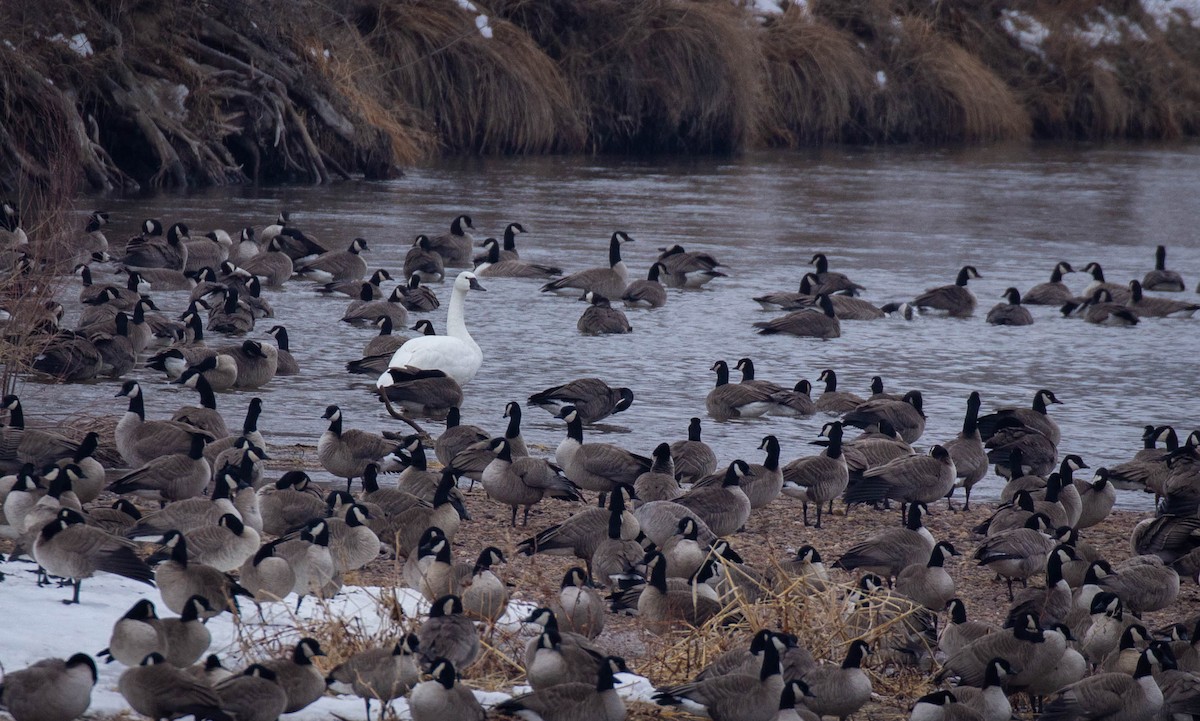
point(1122, 656)
point(794, 658)
point(907, 416)
point(592, 398)
point(1148, 307)
point(989, 700)
point(929, 585)
point(346, 454)
point(616, 559)
point(253, 695)
point(233, 316)
point(959, 631)
point(840, 691)
point(493, 265)
point(693, 458)
point(160, 691)
point(385, 343)
point(430, 568)
point(910, 479)
point(427, 392)
point(416, 297)
point(69, 357)
point(955, 300)
point(658, 483)
point(595, 466)
point(1025, 645)
point(663, 602)
point(746, 366)
point(1118, 292)
point(424, 261)
point(1054, 292)
point(967, 452)
point(310, 559)
point(550, 662)
point(1101, 309)
point(448, 634)
point(844, 306)
point(600, 318)
point(219, 371)
point(832, 400)
point(1097, 499)
point(762, 483)
point(170, 477)
point(1010, 313)
point(50, 689)
point(1037, 452)
point(808, 566)
point(808, 323)
point(117, 354)
point(116, 519)
point(1143, 583)
point(443, 697)
point(523, 481)
point(456, 353)
point(135, 635)
point(352, 544)
point(152, 250)
point(583, 532)
point(274, 266)
point(735, 400)
point(609, 282)
point(484, 595)
point(942, 706)
point(354, 288)
point(1014, 514)
point(205, 416)
point(455, 247)
point(688, 269)
point(584, 701)
point(69, 548)
point(890, 551)
point(579, 608)
point(741, 697)
point(249, 433)
point(286, 364)
point(29, 445)
point(457, 437)
point(297, 676)
point(509, 251)
point(1114, 696)
point(336, 266)
point(369, 312)
point(186, 638)
point(1148, 469)
point(648, 293)
point(1052, 604)
point(830, 283)
point(378, 673)
point(288, 503)
point(1035, 418)
point(180, 578)
point(474, 459)
point(1017, 554)
point(267, 576)
point(724, 508)
point(1160, 278)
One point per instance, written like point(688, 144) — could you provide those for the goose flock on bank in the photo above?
point(661, 543)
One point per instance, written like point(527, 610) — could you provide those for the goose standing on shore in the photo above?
point(456, 353)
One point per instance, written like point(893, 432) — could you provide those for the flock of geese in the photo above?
point(660, 542)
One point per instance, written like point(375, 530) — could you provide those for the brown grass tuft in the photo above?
point(818, 81)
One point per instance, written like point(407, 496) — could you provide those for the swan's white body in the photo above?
point(456, 354)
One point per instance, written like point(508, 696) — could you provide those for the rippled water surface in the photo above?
point(897, 222)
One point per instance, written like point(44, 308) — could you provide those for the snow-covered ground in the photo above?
point(35, 624)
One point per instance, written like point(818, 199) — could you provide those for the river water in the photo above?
point(896, 221)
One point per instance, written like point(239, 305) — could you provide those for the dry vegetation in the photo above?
point(198, 92)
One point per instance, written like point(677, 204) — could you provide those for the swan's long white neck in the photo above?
point(456, 322)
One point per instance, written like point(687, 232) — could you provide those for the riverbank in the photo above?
point(184, 94)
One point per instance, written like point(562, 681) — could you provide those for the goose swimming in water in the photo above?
point(456, 353)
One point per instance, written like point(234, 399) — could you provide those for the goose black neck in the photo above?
point(1160, 258)
point(510, 238)
point(453, 417)
point(418, 457)
point(136, 405)
point(1039, 404)
point(854, 657)
point(821, 263)
point(770, 662)
point(281, 338)
point(179, 552)
point(442, 495)
point(87, 447)
point(652, 275)
point(771, 463)
point(722, 374)
point(605, 681)
point(694, 430)
point(747, 370)
point(830, 382)
point(250, 425)
point(614, 251)
point(834, 449)
point(231, 300)
point(971, 420)
point(615, 520)
point(963, 277)
point(493, 254)
point(1056, 275)
point(335, 425)
point(505, 453)
point(575, 428)
point(16, 416)
point(208, 399)
point(658, 575)
point(514, 423)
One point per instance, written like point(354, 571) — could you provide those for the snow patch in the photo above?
point(1166, 12)
point(78, 43)
point(481, 20)
point(40, 626)
point(1110, 30)
point(881, 79)
point(1029, 33)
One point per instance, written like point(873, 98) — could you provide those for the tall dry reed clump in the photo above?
point(477, 94)
point(652, 75)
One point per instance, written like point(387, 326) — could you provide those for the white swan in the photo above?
point(456, 353)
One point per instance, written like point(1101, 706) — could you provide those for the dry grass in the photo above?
point(819, 81)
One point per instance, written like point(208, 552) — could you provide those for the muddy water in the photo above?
point(896, 221)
